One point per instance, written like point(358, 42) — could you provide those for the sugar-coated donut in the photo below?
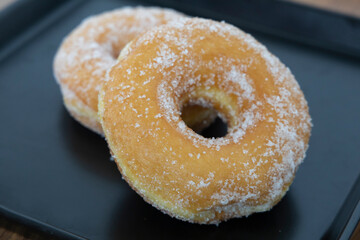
point(92, 48)
point(197, 179)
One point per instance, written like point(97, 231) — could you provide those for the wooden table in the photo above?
point(10, 230)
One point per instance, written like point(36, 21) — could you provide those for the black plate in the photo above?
point(56, 175)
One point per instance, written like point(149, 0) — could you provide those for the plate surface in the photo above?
point(54, 171)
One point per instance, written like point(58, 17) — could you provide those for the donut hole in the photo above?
point(115, 52)
point(118, 52)
point(205, 121)
point(217, 129)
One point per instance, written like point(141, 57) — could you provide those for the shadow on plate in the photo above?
point(136, 219)
point(89, 149)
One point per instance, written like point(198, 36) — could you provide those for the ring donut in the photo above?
point(197, 179)
point(92, 48)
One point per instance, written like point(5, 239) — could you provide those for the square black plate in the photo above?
point(56, 175)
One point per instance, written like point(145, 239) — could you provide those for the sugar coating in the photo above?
point(205, 180)
point(92, 48)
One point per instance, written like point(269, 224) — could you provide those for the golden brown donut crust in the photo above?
point(193, 178)
point(91, 49)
